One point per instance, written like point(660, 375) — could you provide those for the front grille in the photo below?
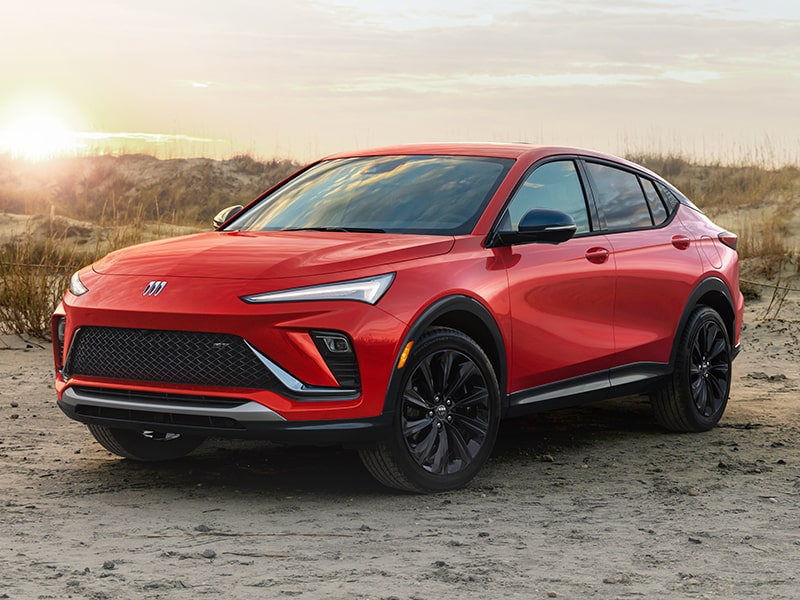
point(182, 357)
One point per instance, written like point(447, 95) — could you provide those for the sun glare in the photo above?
point(37, 136)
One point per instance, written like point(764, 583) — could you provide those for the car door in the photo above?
point(561, 295)
point(655, 264)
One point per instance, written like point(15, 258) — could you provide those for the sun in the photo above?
point(37, 136)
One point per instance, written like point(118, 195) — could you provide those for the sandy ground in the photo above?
point(589, 503)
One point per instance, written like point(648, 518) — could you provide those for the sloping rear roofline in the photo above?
point(532, 152)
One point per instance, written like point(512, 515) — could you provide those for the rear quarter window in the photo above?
point(671, 199)
point(654, 201)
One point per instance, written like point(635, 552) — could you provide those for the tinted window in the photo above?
point(400, 194)
point(554, 185)
point(669, 198)
point(657, 208)
point(620, 199)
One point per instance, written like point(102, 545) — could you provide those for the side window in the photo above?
point(657, 208)
point(553, 185)
point(669, 198)
point(620, 198)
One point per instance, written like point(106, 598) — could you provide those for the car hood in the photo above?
point(276, 254)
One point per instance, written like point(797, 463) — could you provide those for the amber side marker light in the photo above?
point(404, 356)
point(729, 239)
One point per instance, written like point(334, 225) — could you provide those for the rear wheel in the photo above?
point(145, 446)
point(446, 417)
point(695, 396)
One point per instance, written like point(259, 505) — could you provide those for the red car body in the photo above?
point(595, 315)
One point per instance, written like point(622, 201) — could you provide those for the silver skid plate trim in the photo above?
point(249, 411)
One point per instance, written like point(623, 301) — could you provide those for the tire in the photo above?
point(696, 394)
point(445, 420)
point(144, 446)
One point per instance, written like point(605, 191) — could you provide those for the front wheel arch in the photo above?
point(468, 316)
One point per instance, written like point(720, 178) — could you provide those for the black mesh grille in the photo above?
point(184, 357)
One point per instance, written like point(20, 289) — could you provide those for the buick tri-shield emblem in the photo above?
point(154, 288)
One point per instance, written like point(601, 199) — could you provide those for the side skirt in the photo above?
point(620, 381)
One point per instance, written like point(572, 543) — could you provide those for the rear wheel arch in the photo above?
point(711, 292)
point(471, 318)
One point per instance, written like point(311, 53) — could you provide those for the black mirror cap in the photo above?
point(542, 225)
point(225, 214)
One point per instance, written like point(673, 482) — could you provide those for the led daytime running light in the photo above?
point(369, 290)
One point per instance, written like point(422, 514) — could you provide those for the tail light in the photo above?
point(729, 239)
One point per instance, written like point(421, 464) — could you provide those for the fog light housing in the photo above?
point(335, 343)
point(59, 336)
point(337, 351)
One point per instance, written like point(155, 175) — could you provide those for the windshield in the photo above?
point(442, 195)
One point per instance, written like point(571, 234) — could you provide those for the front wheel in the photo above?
point(144, 446)
point(696, 394)
point(445, 420)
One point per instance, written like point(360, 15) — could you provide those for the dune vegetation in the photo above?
point(60, 215)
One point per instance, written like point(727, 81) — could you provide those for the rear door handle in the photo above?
point(597, 255)
point(681, 242)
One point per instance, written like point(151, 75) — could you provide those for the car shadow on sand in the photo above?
point(270, 469)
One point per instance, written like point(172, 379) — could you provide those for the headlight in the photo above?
point(76, 285)
point(369, 290)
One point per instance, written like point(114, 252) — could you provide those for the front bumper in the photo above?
point(211, 417)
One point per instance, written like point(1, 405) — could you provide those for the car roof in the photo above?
point(531, 152)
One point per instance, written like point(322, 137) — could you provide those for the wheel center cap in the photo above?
point(441, 411)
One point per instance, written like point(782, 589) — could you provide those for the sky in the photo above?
point(710, 79)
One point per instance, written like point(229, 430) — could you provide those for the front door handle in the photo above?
point(597, 255)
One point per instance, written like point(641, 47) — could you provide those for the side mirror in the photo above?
point(225, 214)
point(541, 225)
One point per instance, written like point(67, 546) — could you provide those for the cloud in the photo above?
point(339, 73)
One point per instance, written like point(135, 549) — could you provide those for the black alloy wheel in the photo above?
point(446, 417)
point(710, 369)
point(694, 397)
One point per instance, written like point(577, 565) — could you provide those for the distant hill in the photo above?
point(101, 188)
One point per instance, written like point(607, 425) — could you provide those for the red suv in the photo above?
point(403, 301)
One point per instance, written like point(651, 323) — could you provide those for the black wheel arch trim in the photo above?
point(715, 287)
point(437, 314)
